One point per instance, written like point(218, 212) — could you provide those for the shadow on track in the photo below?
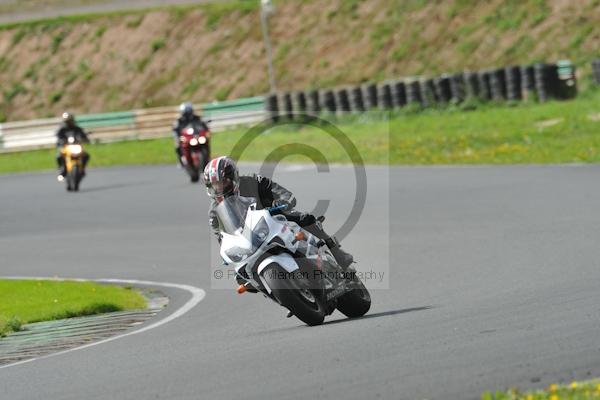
point(339, 321)
point(379, 314)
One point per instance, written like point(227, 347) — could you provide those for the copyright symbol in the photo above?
point(317, 156)
point(218, 274)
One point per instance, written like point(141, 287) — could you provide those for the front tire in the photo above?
point(194, 175)
point(76, 178)
point(302, 302)
point(71, 179)
point(356, 303)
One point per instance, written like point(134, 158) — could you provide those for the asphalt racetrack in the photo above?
point(493, 278)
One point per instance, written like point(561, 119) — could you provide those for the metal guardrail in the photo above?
point(129, 125)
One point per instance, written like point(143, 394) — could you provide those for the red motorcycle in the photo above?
point(195, 150)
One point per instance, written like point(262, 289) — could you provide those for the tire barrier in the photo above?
point(413, 92)
point(428, 95)
point(343, 101)
point(527, 82)
point(371, 96)
point(513, 83)
point(399, 94)
point(357, 102)
point(596, 71)
point(543, 81)
point(288, 106)
point(313, 106)
point(300, 102)
point(273, 108)
point(329, 101)
point(498, 84)
point(485, 91)
point(443, 88)
point(385, 96)
point(457, 88)
point(471, 84)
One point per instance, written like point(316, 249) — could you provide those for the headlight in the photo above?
point(237, 254)
point(202, 140)
point(260, 233)
point(193, 142)
point(74, 149)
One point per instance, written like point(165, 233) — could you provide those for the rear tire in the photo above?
point(303, 303)
point(356, 303)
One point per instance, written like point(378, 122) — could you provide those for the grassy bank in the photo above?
point(555, 132)
point(26, 301)
point(575, 391)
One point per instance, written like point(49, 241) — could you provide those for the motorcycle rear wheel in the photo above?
point(302, 302)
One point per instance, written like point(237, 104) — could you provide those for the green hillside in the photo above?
point(126, 60)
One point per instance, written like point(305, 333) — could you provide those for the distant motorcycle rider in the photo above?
point(222, 180)
point(186, 117)
point(69, 129)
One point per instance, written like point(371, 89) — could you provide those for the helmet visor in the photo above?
point(220, 188)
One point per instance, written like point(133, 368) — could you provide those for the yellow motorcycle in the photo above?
point(73, 155)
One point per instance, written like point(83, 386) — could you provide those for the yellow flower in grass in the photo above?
point(553, 388)
point(573, 385)
point(598, 388)
point(554, 397)
point(529, 397)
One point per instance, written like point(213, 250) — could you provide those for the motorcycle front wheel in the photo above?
point(356, 303)
point(70, 178)
point(294, 294)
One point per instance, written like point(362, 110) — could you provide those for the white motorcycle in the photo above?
point(286, 263)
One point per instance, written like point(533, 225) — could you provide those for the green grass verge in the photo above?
point(27, 301)
point(575, 391)
point(555, 132)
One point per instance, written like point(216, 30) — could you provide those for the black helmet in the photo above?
point(186, 109)
point(221, 178)
point(68, 118)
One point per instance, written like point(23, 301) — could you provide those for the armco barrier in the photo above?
point(129, 125)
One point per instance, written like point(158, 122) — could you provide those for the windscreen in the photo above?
point(232, 211)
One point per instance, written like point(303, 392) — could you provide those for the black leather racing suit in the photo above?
point(62, 135)
point(266, 192)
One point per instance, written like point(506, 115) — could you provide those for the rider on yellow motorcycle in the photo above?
point(69, 129)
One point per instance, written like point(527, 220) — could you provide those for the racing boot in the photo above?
point(343, 258)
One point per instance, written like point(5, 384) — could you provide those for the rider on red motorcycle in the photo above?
point(187, 117)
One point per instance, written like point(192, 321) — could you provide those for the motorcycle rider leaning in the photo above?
point(186, 117)
point(69, 129)
point(222, 180)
